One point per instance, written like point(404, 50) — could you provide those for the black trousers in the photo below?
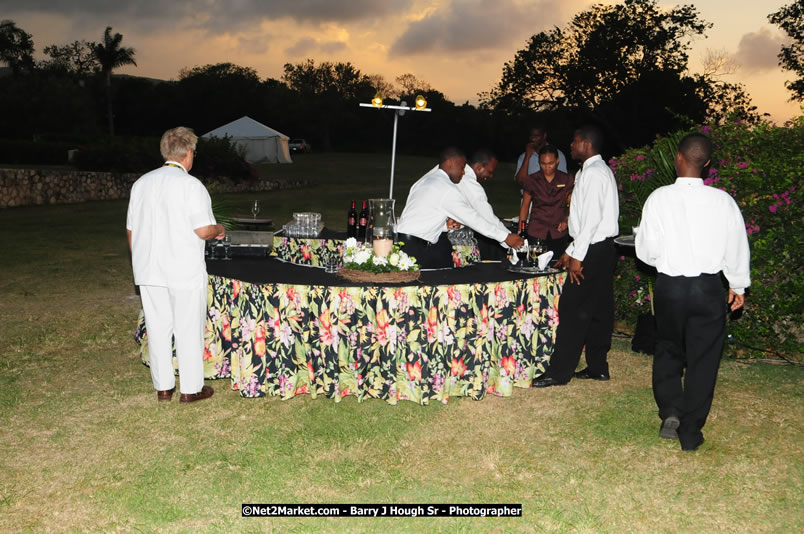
point(428, 255)
point(690, 332)
point(489, 249)
point(586, 316)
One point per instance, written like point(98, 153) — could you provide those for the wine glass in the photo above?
point(535, 252)
point(227, 243)
point(255, 208)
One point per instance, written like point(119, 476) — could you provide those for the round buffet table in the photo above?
point(307, 250)
point(279, 329)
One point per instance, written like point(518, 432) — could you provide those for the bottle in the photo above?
point(523, 230)
point(362, 222)
point(351, 223)
point(523, 233)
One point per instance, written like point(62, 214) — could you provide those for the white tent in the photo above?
point(260, 143)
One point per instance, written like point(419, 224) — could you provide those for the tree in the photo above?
point(16, 47)
point(330, 89)
point(790, 18)
point(591, 65)
point(218, 93)
point(77, 58)
point(383, 86)
point(111, 55)
point(411, 85)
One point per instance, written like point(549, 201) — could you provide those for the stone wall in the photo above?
point(27, 187)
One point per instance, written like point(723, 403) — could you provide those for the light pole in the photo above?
point(421, 105)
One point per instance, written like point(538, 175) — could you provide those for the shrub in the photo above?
point(222, 158)
point(761, 167)
point(215, 159)
point(18, 152)
point(120, 154)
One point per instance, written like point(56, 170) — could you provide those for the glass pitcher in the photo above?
point(382, 225)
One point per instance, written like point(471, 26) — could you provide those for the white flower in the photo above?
point(405, 263)
point(379, 261)
point(393, 259)
point(362, 256)
point(350, 243)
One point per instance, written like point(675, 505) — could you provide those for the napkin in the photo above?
point(544, 259)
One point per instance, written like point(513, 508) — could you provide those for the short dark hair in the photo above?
point(484, 156)
point(549, 149)
point(696, 149)
point(593, 134)
point(537, 125)
point(449, 153)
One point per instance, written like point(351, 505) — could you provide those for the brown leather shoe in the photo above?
point(165, 395)
point(205, 393)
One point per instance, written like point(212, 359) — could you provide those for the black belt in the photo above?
point(408, 238)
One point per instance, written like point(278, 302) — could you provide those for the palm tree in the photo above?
point(111, 55)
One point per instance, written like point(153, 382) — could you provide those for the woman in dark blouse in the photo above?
point(546, 198)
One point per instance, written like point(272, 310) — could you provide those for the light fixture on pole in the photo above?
point(376, 102)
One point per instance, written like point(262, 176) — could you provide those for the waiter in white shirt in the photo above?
point(691, 233)
point(169, 218)
point(586, 307)
point(432, 200)
point(479, 169)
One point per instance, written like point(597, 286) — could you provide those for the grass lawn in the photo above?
point(86, 447)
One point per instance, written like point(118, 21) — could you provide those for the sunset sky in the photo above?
point(458, 46)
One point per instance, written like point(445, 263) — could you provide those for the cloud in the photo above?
point(472, 25)
point(758, 51)
point(304, 46)
point(215, 15)
point(333, 47)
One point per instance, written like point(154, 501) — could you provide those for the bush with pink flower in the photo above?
point(761, 166)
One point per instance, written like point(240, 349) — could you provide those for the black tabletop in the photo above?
point(270, 270)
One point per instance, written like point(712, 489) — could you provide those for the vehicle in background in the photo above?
point(299, 145)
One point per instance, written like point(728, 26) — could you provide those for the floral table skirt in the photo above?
point(307, 250)
point(417, 343)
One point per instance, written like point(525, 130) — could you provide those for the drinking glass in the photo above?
point(227, 243)
point(524, 255)
point(331, 260)
point(534, 255)
point(255, 208)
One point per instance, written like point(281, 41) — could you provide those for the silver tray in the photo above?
point(532, 270)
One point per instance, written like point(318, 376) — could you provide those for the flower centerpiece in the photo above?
point(362, 264)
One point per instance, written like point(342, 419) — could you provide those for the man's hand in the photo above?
point(562, 226)
point(452, 224)
point(575, 269)
point(514, 241)
point(735, 301)
point(208, 232)
point(573, 266)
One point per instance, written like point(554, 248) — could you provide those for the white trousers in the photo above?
point(180, 314)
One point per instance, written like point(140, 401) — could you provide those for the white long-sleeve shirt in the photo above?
point(595, 207)
point(475, 193)
point(688, 229)
point(434, 198)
